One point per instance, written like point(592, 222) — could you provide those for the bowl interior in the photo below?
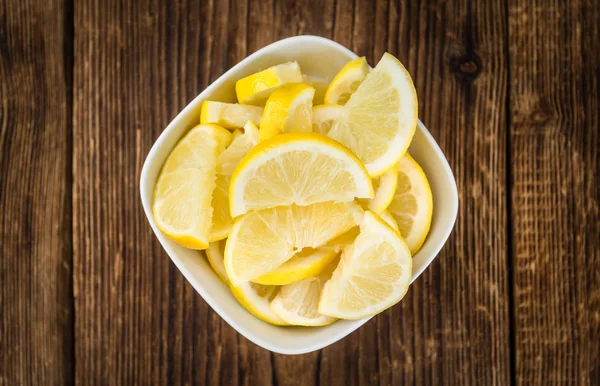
point(320, 58)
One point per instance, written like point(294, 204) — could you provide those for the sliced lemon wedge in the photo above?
point(288, 110)
point(256, 88)
point(385, 188)
point(380, 118)
point(373, 274)
point(184, 189)
point(226, 163)
point(412, 205)
point(347, 81)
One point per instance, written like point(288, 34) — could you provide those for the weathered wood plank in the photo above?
point(138, 321)
point(554, 140)
point(36, 302)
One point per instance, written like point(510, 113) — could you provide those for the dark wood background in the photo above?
point(509, 89)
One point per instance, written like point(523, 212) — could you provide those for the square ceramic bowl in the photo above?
point(321, 58)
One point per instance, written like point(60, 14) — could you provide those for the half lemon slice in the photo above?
point(297, 168)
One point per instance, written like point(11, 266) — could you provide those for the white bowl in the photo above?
point(318, 57)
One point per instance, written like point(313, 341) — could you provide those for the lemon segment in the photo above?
point(306, 263)
point(373, 274)
point(324, 116)
point(297, 303)
point(381, 117)
point(226, 163)
point(256, 88)
point(288, 110)
point(347, 81)
point(184, 189)
point(385, 188)
point(297, 168)
point(229, 115)
point(262, 240)
point(412, 205)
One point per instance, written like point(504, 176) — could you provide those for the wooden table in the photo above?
point(509, 89)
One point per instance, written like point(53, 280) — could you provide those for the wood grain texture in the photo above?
point(36, 304)
point(554, 138)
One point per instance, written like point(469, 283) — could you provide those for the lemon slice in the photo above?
point(297, 168)
point(385, 188)
point(255, 298)
point(226, 163)
point(214, 255)
point(381, 117)
point(412, 206)
point(262, 240)
point(256, 88)
point(288, 110)
point(229, 115)
point(183, 193)
point(297, 303)
point(373, 274)
point(347, 81)
point(324, 116)
point(306, 263)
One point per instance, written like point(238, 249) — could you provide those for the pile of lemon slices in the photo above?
point(309, 214)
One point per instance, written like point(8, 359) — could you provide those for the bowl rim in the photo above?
point(203, 292)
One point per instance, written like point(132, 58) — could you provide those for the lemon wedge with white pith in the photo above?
point(373, 274)
point(255, 298)
point(384, 187)
point(306, 263)
point(229, 115)
point(412, 205)
point(288, 110)
point(256, 88)
point(226, 163)
point(183, 193)
point(297, 168)
point(262, 240)
point(347, 81)
point(298, 303)
point(380, 117)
